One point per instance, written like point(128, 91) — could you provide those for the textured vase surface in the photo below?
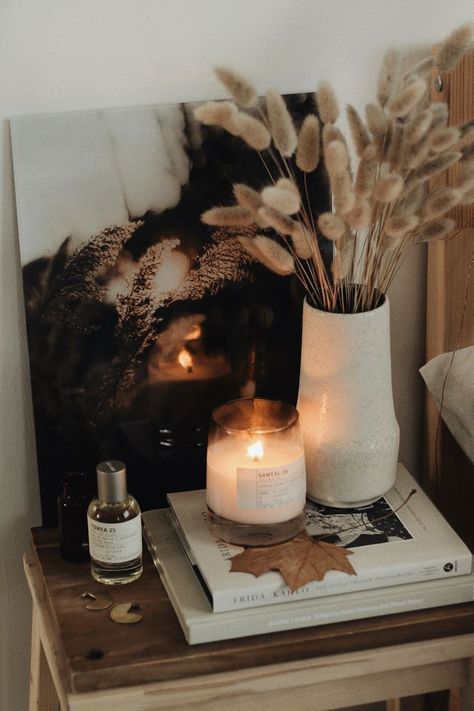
point(345, 401)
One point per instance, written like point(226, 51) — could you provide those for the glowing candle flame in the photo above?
point(255, 450)
point(185, 360)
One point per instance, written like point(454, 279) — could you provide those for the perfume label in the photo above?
point(115, 542)
point(271, 487)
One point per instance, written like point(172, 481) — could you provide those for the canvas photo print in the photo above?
point(140, 318)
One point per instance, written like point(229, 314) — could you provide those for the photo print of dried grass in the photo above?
point(388, 200)
point(140, 317)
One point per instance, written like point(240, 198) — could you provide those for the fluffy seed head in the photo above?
point(366, 172)
point(400, 225)
point(252, 131)
point(437, 229)
point(424, 67)
point(406, 99)
point(238, 87)
point(342, 193)
point(360, 135)
point(281, 199)
point(280, 222)
point(302, 241)
point(247, 197)
point(269, 253)
point(443, 138)
point(388, 76)
point(336, 158)
point(440, 113)
point(441, 201)
point(412, 197)
point(287, 184)
point(437, 165)
point(418, 126)
point(217, 113)
point(395, 146)
point(342, 261)
point(281, 124)
point(328, 106)
point(454, 47)
point(388, 188)
point(467, 130)
point(307, 150)
point(377, 120)
point(359, 217)
point(331, 226)
point(234, 216)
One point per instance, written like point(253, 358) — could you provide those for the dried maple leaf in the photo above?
point(299, 561)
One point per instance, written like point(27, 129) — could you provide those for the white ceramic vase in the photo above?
point(345, 401)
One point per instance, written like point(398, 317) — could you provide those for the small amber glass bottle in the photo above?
point(72, 509)
point(114, 524)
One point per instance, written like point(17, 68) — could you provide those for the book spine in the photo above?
point(321, 612)
point(226, 600)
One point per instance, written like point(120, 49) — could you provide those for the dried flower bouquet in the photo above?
point(380, 208)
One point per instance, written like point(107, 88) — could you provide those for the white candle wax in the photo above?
point(266, 489)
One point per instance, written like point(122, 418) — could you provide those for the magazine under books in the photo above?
point(398, 539)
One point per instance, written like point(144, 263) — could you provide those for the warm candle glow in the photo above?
point(194, 333)
point(255, 451)
point(185, 360)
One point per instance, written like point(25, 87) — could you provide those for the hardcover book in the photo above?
point(200, 624)
point(401, 538)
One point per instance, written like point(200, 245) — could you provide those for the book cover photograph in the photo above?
point(401, 538)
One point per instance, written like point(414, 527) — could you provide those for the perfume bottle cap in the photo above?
point(111, 481)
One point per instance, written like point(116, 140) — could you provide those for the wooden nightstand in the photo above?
point(81, 660)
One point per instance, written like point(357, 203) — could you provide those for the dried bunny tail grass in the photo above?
point(437, 229)
point(390, 243)
point(394, 151)
point(388, 188)
point(332, 133)
point(416, 154)
point(331, 226)
point(307, 150)
point(423, 68)
point(238, 87)
point(343, 193)
point(400, 225)
point(412, 197)
point(217, 113)
point(454, 47)
point(342, 261)
point(252, 131)
point(288, 184)
point(281, 124)
point(234, 216)
point(302, 241)
point(247, 197)
point(443, 138)
point(281, 199)
point(366, 172)
point(388, 76)
point(419, 126)
point(467, 130)
point(436, 165)
point(328, 106)
point(359, 217)
point(360, 135)
point(336, 158)
point(467, 197)
point(406, 99)
point(465, 180)
point(276, 219)
point(377, 120)
point(440, 113)
point(467, 153)
point(441, 201)
point(269, 253)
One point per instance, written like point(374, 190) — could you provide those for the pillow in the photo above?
point(458, 402)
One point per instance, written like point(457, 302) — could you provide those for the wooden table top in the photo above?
point(100, 654)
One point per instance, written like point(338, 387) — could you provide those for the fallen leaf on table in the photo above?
point(299, 561)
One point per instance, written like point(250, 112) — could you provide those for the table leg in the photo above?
point(467, 692)
point(43, 695)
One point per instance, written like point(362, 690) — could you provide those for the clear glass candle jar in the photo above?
point(256, 482)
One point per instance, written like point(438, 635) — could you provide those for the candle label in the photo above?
point(271, 487)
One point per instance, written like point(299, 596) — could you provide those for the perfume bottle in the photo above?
point(114, 525)
point(73, 502)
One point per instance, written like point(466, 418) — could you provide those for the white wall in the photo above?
point(65, 55)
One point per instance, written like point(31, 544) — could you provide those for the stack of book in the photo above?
point(406, 556)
